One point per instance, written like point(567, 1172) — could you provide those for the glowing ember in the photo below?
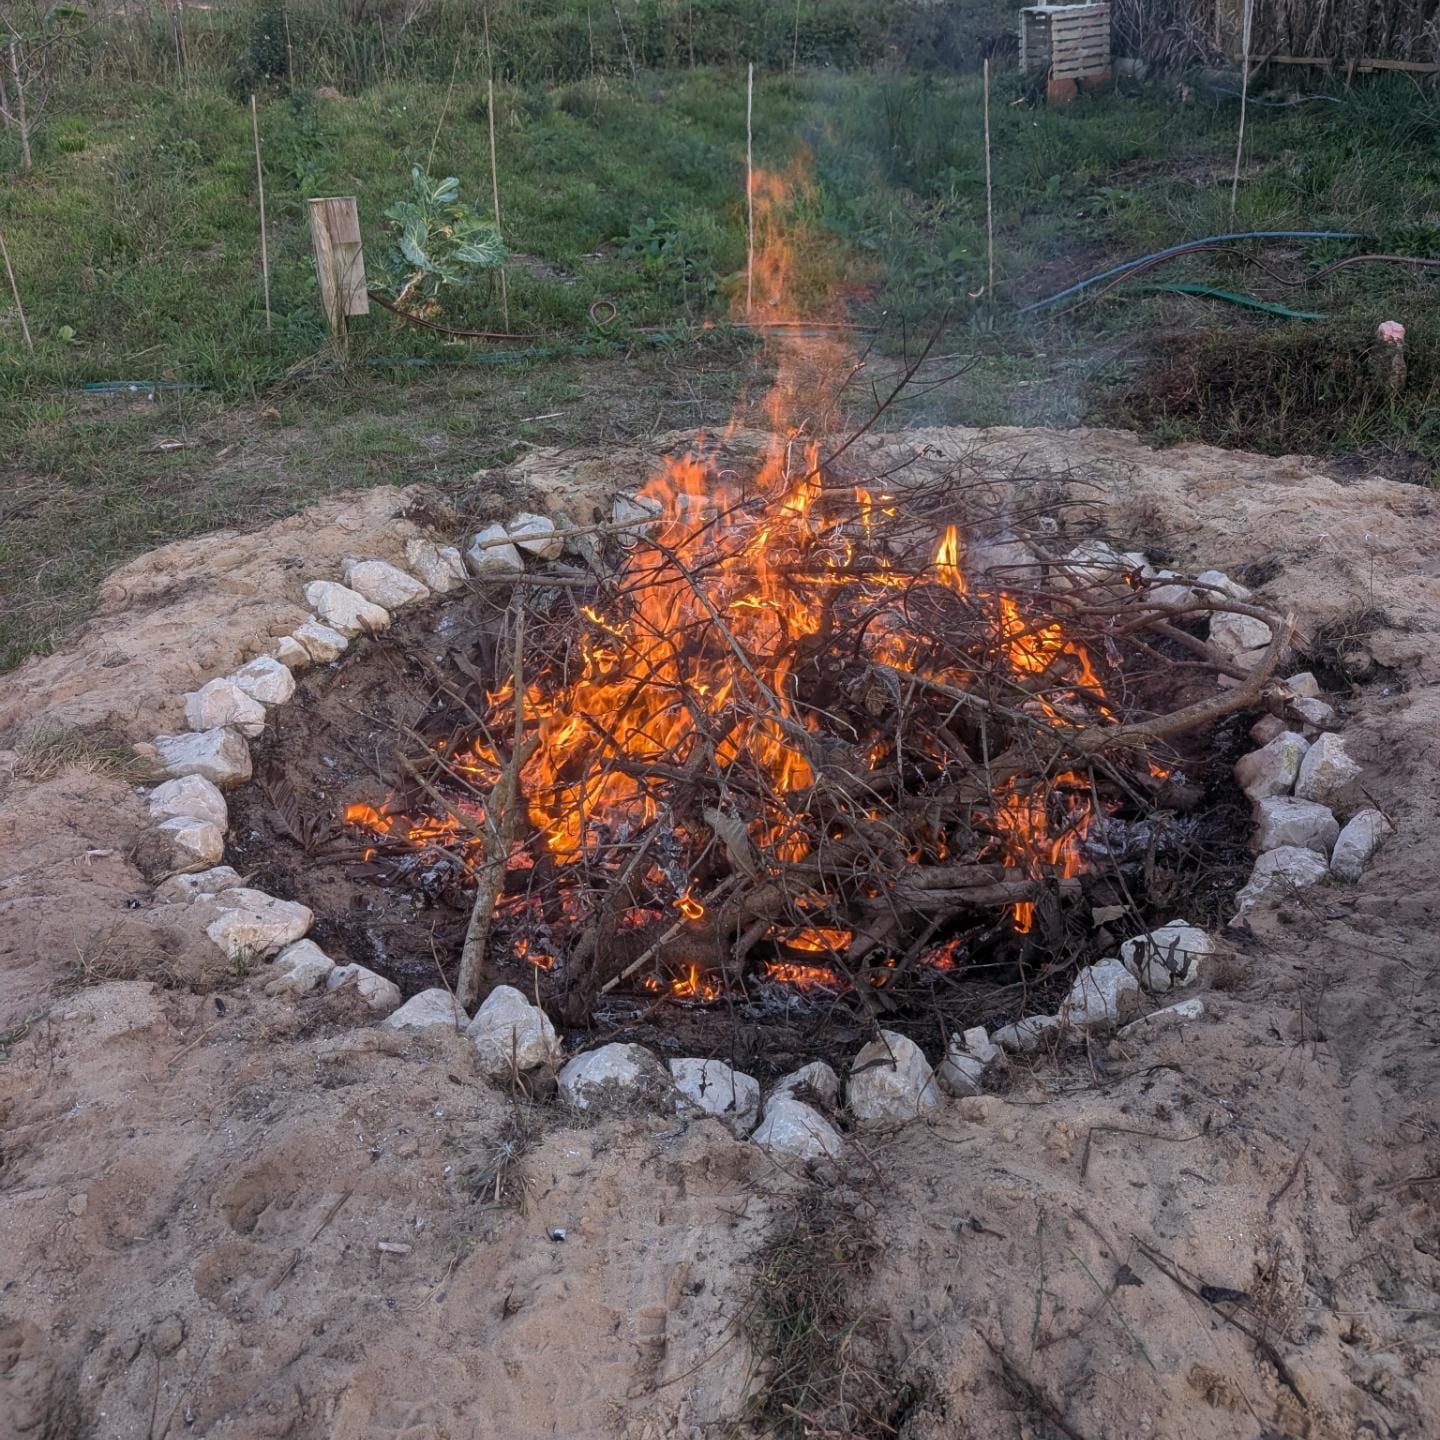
point(804, 976)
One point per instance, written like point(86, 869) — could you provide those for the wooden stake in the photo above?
point(494, 167)
point(260, 183)
point(795, 43)
point(339, 262)
point(750, 191)
point(1244, 103)
point(989, 199)
point(289, 48)
point(15, 292)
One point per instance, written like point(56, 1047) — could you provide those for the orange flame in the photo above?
point(692, 658)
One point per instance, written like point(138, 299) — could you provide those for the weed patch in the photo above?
point(1309, 391)
point(821, 1360)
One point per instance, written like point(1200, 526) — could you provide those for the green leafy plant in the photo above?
point(440, 241)
point(666, 249)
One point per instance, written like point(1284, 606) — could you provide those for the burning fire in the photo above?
point(694, 659)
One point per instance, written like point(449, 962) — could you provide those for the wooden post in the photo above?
point(339, 262)
point(260, 182)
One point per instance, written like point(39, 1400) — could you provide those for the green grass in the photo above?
point(135, 245)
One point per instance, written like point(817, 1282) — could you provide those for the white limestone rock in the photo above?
point(791, 1127)
point(290, 652)
point(429, 1007)
point(638, 513)
point(1268, 728)
point(193, 844)
point(1169, 957)
point(250, 924)
point(1283, 820)
point(1170, 594)
point(441, 567)
point(613, 1074)
point(1101, 997)
point(1316, 714)
point(1185, 1012)
point(265, 679)
point(1273, 768)
point(299, 969)
point(510, 1033)
point(536, 535)
point(1303, 686)
point(492, 561)
point(181, 889)
point(1362, 836)
point(711, 1087)
point(977, 1043)
point(1241, 637)
point(890, 1079)
point(1093, 562)
point(1219, 580)
point(1326, 772)
point(387, 585)
point(223, 703)
point(380, 994)
point(1279, 872)
point(221, 756)
point(1005, 556)
point(960, 1074)
point(816, 1079)
point(342, 609)
point(191, 795)
point(320, 642)
point(1028, 1034)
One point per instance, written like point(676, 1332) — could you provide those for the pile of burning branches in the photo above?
point(798, 732)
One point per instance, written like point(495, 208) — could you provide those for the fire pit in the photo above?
point(786, 748)
point(774, 755)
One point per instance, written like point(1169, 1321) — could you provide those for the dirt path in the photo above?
point(195, 1177)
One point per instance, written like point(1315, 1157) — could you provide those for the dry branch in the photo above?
point(501, 815)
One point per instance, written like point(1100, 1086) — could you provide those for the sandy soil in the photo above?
point(194, 1177)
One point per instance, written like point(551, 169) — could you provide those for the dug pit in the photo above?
point(798, 752)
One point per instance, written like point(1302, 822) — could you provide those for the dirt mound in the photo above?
point(1228, 1230)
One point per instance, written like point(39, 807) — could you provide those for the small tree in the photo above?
point(440, 241)
point(32, 37)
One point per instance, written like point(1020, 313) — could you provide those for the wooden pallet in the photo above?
point(1068, 42)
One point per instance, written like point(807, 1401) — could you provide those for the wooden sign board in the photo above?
point(339, 258)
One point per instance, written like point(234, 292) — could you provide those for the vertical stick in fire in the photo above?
point(502, 810)
point(749, 192)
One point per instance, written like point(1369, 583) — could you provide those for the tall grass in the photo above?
point(352, 44)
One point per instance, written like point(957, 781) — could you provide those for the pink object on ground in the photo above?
point(1390, 332)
